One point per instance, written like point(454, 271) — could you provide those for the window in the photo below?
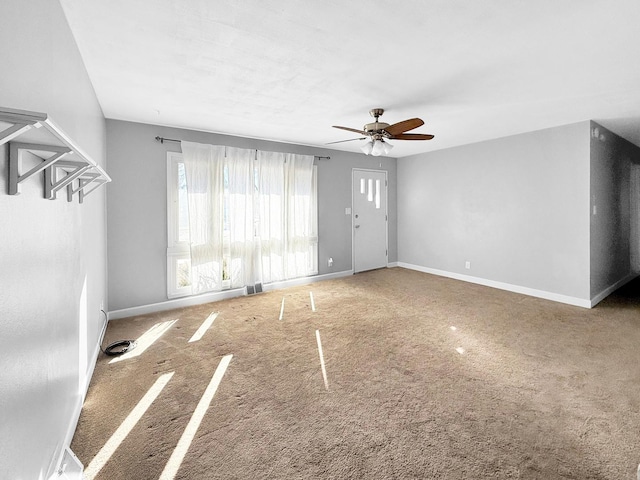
point(178, 254)
point(179, 275)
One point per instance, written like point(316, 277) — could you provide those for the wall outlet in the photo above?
point(330, 262)
point(467, 265)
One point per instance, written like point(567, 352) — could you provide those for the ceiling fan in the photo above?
point(377, 132)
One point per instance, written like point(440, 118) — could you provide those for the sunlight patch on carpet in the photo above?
point(324, 370)
point(203, 328)
point(172, 466)
point(147, 339)
point(313, 305)
point(282, 310)
point(125, 427)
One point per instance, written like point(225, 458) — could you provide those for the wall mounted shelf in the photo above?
point(34, 136)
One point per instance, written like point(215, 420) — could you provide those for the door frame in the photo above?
point(386, 213)
point(634, 230)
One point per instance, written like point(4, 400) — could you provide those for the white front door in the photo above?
point(369, 216)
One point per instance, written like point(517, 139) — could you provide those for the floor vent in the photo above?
point(253, 289)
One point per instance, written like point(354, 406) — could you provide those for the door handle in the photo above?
point(357, 226)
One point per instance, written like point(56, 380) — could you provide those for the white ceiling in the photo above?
point(288, 70)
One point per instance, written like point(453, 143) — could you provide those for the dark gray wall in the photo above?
point(52, 253)
point(517, 208)
point(611, 160)
point(137, 211)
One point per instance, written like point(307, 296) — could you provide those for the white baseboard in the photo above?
point(66, 455)
point(177, 303)
point(609, 290)
point(71, 430)
point(217, 296)
point(392, 265)
point(305, 280)
point(92, 367)
point(556, 297)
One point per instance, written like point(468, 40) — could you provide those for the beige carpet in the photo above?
point(427, 378)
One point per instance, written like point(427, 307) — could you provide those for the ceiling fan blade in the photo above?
point(361, 132)
point(412, 136)
point(404, 126)
point(350, 140)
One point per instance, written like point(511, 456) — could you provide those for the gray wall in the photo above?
point(137, 209)
point(50, 251)
point(611, 159)
point(517, 208)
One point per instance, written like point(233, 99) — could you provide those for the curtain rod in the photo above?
point(162, 140)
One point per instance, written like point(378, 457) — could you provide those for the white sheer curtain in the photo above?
point(287, 222)
point(240, 218)
point(271, 216)
point(204, 171)
point(300, 214)
point(252, 216)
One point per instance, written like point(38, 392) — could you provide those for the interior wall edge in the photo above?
point(612, 288)
point(612, 240)
point(532, 292)
point(77, 409)
point(71, 430)
point(217, 296)
point(176, 303)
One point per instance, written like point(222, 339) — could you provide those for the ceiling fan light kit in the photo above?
point(367, 147)
point(376, 148)
point(376, 133)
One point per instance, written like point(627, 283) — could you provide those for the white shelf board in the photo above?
point(37, 129)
